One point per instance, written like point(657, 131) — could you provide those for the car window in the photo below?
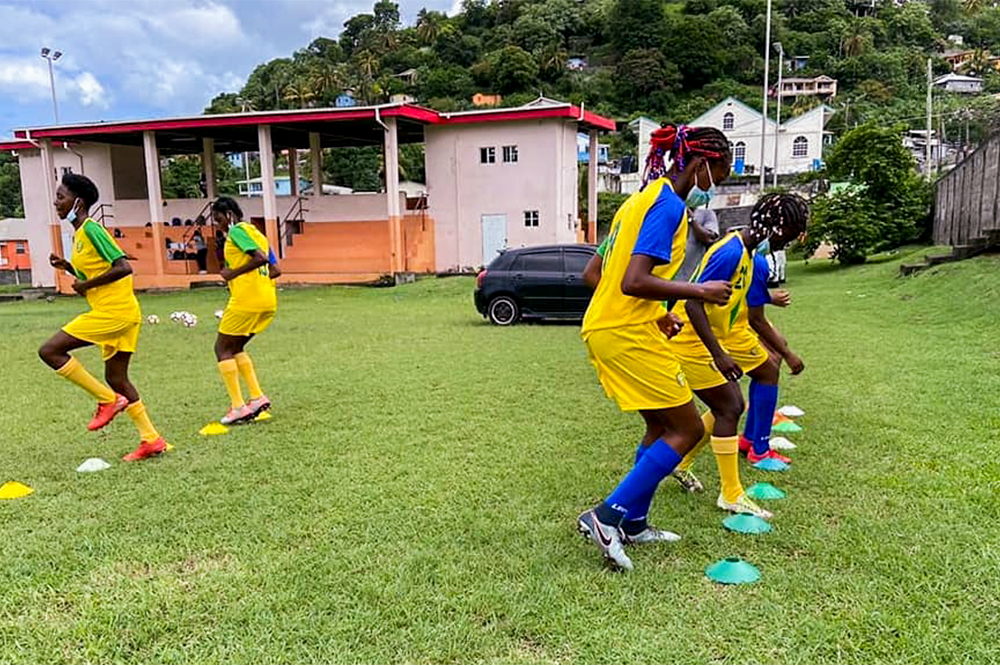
point(576, 261)
point(539, 262)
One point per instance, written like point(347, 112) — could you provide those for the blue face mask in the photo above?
point(71, 216)
point(698, 197)
point(764, 247)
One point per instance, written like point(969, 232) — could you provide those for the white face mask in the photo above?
point(71, 216)
point(698, 197)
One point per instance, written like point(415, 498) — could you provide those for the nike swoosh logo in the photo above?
point(600, 533)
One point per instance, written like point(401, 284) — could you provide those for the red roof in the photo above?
point(236, 132)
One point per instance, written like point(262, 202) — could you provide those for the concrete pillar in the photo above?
point(397, 260)
point(52, 218)
point(293, 171)
point(266, 151)
point(208, 166)
point(592, 190)
point(316, 155)
point(152, 158)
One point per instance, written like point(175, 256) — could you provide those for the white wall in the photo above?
point(461, 190)
point(746, 129)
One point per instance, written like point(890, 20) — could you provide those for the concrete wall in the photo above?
point(460, 190)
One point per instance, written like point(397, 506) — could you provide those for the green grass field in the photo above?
point(414, 497)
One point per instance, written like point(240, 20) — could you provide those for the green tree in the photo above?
point(11, 204)
point(636, 24)
point(223, 103)
point(510, 69)
point(356, 167)
point(846, 221)
point(645, 79)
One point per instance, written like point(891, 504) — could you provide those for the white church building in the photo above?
point(800, 139)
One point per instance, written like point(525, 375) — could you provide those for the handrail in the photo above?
point(295, 212)
point(102, 216)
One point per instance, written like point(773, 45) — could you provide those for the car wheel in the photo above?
point(503, 311)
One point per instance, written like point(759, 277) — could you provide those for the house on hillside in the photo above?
point(957, 83)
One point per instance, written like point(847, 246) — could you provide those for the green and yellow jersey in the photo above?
point(253, 291)
point(94, 251)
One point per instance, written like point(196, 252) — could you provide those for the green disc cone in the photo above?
point(732, 571)
point(746, 524)
point(765, 491)
point(771, 465)
point(786, 427)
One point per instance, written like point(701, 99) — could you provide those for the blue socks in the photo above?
point(763, 402)
point(635, 492)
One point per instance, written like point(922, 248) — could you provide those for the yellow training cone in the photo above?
point(264, 416)
point(13, 490)
point(214, 429)
point(170, 447)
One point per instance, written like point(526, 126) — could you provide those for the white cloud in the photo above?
point(91, 91)
point(24, 80)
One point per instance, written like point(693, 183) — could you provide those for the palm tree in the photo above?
point(855, 39)
point(973, 6)
point(428, 26)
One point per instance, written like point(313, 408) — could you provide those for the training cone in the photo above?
point(214, 429)
point(779, 418)
point(264, 416)
point(93, 465)
point(786, 427)
point(746, 524)
point(732, 571)
point(781, 444)
point(771, 465)
point(13, 490)
point(791, 411)
point(765, 491)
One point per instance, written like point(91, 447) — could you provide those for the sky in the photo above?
point(132, 59)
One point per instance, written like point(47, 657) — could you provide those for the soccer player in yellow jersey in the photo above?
point(718, 343)
point(250, 272)
point(624, 341)
point(104, 276)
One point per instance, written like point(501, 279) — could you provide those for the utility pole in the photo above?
point(930, 83)
point(763, 119)
point(777, 125)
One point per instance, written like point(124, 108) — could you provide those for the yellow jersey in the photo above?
point(94, 251)
point(729, 260)
point(253, 291)
point(651, 222)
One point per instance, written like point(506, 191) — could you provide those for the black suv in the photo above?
point(535, 282)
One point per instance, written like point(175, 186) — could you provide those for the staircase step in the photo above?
point(937, 259)
point(912, 269)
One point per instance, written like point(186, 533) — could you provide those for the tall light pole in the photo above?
point(52, 56)
point(777, 126)
point(767, 74)
point(244, 103)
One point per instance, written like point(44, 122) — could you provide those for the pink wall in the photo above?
point(461, 189)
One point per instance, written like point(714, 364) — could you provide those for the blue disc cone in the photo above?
point(765, 491)
point(746, 524)
point(732, 571)
point(771, 465)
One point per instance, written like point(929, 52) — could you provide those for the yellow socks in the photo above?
point(137, 412)
point(74, 371)
point(726, 451)
point(247, 373)
point(688, 460)
point(231, 376)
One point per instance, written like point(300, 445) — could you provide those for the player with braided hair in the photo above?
point(724, 342)
point(633, 361)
